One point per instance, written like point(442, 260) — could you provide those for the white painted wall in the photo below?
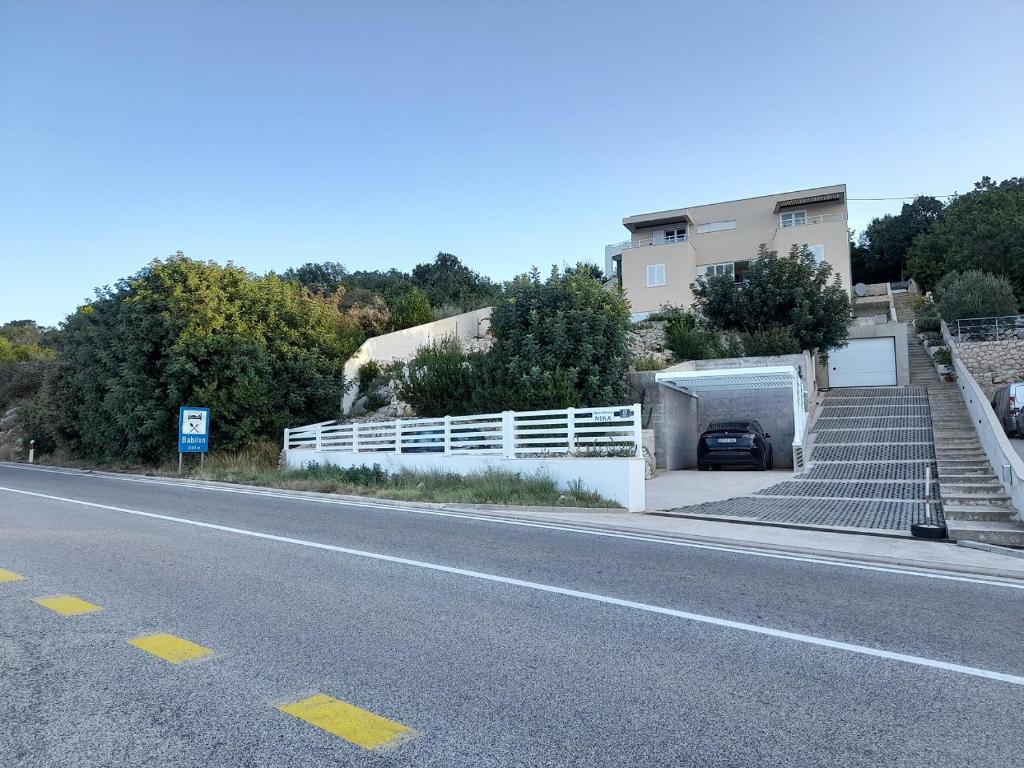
point(403, 345)
point(618, 479)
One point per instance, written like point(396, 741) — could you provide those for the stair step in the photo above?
point(967, 478)
point(976, 512)
point(984, 499)
point(1006, 534)
point(972, 487)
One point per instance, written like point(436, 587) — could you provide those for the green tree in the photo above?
point(325, 278)
point(447, 281)
point(792, 293)
point(973, 293)
point(409, 309)
point(261, 352)
point(559, 342)
point(981, 230)
point(886, 241)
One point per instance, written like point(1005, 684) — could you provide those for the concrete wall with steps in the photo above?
point(981, 476)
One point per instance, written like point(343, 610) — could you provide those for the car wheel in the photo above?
point(771, 460)
point(928, 530)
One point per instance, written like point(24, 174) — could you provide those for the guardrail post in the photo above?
point(570, 426)
point(638, 431)
point(508, 434)
point(286, 438)
point(398, 437)
point(319, 438)
point(355, 438)
point(447, 435)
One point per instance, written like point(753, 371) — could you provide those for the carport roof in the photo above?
point(723, 379)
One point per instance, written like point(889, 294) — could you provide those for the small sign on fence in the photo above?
point(612, 414)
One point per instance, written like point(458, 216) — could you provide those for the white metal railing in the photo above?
point(511, 434)
point(990, 328)
point(823, 218)
point(667, 240)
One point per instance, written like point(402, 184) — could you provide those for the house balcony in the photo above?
point(823, 218)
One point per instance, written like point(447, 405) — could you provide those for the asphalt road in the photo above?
point(332, 634)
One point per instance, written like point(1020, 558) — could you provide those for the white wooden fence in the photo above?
point(612, 431)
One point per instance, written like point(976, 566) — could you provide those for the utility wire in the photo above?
point(909, 197)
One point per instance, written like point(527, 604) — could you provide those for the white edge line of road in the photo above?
point(751, 551)
point(633, 605)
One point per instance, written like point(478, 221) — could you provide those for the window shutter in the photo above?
point(658, 237)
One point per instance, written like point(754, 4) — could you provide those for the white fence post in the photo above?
point(319, 438)
point(447, 435)
point(286, 438)
point(638, 431)
point(355, 438)
point(398, 437)
point(570, 425)
point(508, 434)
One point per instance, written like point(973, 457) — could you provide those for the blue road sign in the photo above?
point(193, 429)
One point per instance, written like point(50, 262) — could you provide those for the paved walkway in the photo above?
point(686, 487)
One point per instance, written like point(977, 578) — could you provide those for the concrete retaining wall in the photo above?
point(618, 479)
point(403, 345)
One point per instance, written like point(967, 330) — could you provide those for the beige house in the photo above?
point(669, 250)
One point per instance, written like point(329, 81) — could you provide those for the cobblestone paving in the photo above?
point(870, 449)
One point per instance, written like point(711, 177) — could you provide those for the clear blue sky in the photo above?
point(511, 133)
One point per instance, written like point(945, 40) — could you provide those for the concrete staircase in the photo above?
point(974, 503)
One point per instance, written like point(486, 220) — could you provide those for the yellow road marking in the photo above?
point(348, 721)
point(67, 605)
point(171, 647)
point(9, 576)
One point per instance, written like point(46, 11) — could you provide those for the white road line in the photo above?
point(578, 529)
point(696, 617)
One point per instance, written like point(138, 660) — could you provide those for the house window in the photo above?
point(675, 235)
point(655, 275)
point(713, 270)
point(716, 226)
point(792, 218)
point(735, 269)
point(818, 251)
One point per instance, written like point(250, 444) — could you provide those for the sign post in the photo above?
point(193, 433)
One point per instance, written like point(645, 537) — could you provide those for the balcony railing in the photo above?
point(651, 241)
point(823, 218)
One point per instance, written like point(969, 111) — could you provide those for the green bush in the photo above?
point(439, 381)
point(649, 363)
point(794, 292)
point(974, 293)
point(262, 353)
point(367, 374)
point(775, 341)
point(943, 356)
point(927, 323)
point(375, 400)
point(410, 309)
point(691, 343)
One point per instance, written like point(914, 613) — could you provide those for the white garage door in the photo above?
point(863, 363)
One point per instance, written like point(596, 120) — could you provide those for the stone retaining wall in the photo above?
point(993, 363)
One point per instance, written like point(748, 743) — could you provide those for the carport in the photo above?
point(774, 395)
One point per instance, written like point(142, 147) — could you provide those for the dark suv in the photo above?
point(734, 442)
